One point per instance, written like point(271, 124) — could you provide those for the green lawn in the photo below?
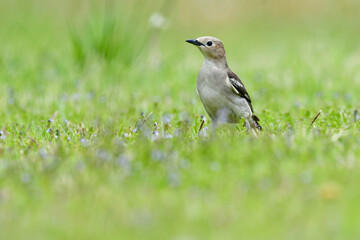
point(79, 159)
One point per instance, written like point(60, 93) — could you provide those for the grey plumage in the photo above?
point(221, 91)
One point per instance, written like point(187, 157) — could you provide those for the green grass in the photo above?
point(89, 173)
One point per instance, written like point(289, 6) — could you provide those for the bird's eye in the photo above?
point(209, 43)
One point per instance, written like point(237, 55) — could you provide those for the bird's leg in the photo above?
point(247, 125)
point(250, 127)
point(214, 125)
point(254, 131)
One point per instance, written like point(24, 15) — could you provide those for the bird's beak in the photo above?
point(195, 42)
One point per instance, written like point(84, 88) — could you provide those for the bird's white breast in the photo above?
point(218, 97)
point(210, 84)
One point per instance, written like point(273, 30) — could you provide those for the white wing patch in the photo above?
point(232, 82)
point(236, 86)
point(233, 88)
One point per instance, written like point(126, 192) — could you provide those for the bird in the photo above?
point(221, 91)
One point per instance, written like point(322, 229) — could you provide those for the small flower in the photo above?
point(168, 136)
point(166, 119)
point(203, 132)
point(155, 135)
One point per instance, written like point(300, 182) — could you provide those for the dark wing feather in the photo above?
point(239, 86)
point(241, 91)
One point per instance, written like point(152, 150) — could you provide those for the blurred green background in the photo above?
point(78, 160)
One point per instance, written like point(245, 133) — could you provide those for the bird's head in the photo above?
point(210, 47)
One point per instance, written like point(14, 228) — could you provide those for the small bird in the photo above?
point(221, 91)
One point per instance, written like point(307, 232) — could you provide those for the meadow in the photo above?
point(99, 121)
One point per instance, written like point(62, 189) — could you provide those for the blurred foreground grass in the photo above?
point(89, 173)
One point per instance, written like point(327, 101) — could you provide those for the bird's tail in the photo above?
point(256, 122)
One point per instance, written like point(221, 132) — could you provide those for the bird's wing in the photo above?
point(238, 87)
